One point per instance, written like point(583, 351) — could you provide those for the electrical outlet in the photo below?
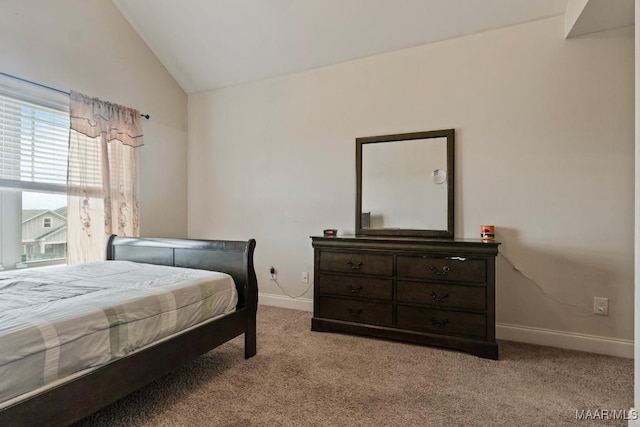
point(601, 306)
point(272, 273)
point(305, 277)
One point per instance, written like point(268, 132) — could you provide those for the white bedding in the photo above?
point(60, 320)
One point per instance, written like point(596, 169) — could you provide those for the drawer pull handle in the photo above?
point(443, 271)
point(354, 266)
point(354, 313)
point(436, 298)
point(439, 323)
point(354, 290)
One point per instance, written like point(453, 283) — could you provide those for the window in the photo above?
point(34, 134)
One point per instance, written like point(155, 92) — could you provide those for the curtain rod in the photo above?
point(146, 116)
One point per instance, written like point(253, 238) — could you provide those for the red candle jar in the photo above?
point(487, 232)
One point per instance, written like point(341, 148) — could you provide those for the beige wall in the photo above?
point(545, 151)
point(87, 46)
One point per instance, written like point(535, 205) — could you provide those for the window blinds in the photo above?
point(34, 137)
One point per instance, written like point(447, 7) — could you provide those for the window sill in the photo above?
point(43, 263)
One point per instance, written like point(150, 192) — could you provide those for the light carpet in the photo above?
point(305, 378)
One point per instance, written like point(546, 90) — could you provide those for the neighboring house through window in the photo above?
point(34, 136)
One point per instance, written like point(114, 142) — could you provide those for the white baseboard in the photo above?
point(568, 340)
point(526, 334)
point(304, 304)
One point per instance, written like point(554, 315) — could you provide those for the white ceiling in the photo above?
point(207, 44)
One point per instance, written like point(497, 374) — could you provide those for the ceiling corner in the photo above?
point(592, 16)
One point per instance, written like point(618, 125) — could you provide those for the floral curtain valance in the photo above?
point(102, 176)
point(93, 118)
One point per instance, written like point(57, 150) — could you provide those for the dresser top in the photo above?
point(407, 239)
point(415, 243)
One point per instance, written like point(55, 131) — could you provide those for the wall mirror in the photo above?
point(405, 184)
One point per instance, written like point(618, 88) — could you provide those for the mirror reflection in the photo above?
point(405, 184)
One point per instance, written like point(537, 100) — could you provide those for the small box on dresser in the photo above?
point(428, 291)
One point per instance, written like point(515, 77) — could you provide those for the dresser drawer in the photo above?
point(442, 321)
point(356, 263)
point(453, 269)
point(361, 287)
point(355, 310)
point(470, 297)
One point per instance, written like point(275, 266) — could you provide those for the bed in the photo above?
point(210, 267)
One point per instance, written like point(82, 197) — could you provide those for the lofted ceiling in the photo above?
point(208, 44)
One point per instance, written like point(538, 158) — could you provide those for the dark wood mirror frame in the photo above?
point(449, 232)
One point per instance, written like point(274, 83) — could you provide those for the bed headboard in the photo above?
point(228, 256)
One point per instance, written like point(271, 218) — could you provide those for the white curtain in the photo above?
point(102, 176)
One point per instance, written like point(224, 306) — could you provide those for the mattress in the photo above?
point(57, 321)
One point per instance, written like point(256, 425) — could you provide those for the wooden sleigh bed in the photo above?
point(79, 397)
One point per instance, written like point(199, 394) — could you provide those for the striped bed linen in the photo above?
point(60, 320)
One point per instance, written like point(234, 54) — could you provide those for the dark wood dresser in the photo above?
point(428, 291)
